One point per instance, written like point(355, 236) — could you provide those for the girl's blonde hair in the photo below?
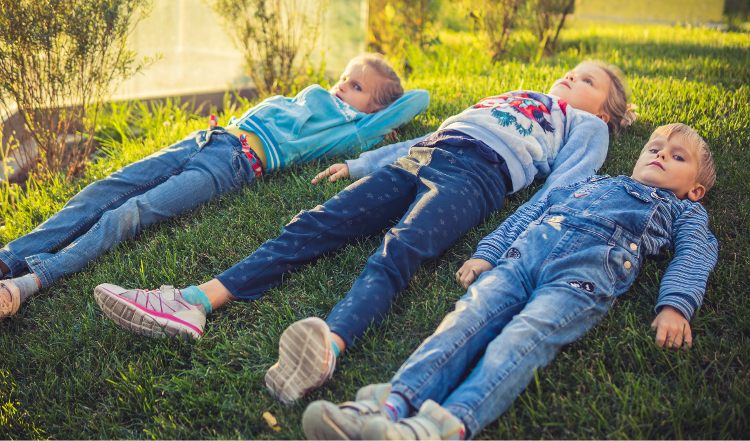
point(390, 89)
point(621, 112)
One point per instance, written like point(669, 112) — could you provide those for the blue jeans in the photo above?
point(429, 199)
point(111, 210)
point(553, 284)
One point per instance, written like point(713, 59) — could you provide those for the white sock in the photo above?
point(27, 285)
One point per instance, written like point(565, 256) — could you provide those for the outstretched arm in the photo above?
point(370, 161)
point(367, 162)
point(683, 286)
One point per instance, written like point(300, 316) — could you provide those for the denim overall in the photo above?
point(555, 282)
point(170, 182)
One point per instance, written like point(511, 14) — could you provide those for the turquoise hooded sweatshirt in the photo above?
point(316, 124)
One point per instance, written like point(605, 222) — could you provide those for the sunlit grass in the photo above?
point(74, 374)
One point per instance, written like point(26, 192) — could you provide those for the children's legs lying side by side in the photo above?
point(444, 359)
point(564, 270)
point(217, 169)
point(457, 190)
point(86, 207)
point(557, 314)
point(364, 208)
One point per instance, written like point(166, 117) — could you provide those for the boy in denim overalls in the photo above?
point(549, 273)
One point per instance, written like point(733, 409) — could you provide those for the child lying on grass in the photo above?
point(447, 184)
point(547, 275)
point(367, 103)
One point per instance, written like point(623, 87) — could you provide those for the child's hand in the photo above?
point(470, 270)
point(391, 137)
point(672, 329)
point(333, 173)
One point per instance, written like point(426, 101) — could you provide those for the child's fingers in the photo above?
point(320, 176)
point(326, 173)
point(654, 323)
point(465, 276)
point(661, 336)
point(340, 174)
point(468, 278)
point(677, 340)
point(688, 337)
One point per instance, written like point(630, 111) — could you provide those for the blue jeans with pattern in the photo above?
point(427, 200)
point(111, 210)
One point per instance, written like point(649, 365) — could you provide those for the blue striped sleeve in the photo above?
point(493, 246)
point(696, 251)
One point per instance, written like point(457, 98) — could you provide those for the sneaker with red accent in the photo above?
point(162, 312)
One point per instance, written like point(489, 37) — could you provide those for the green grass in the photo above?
point(68, 372)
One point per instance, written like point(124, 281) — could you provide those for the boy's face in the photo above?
point(671, 164)
point(357, 87)
point(586, 87)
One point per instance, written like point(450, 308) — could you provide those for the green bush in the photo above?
point(58, 62)
point(276, 38)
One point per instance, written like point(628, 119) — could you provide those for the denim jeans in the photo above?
point(429, 199)
point(553, 284)
point(111, 210)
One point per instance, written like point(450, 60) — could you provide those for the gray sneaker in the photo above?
point(432, 422)
point(306, 360)
point(160, 312)
point(325, 420)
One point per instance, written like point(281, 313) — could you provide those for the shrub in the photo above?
point(496, 18)
point(276, 38)
point(58, 62)
point(393, 25)
point(546, 18)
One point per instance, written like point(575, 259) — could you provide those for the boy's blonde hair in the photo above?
point(390, 89)
point(621, 113)
point(706, 168)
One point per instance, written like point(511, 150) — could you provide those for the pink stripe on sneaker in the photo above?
point(158, 314)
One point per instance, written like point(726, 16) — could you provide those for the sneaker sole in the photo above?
point(303, 353)
point(133, 317)
point(319, 422)
point(11, 308)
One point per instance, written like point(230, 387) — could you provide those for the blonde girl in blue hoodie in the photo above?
point(367, 103)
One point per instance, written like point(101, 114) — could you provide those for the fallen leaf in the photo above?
point(271, 421)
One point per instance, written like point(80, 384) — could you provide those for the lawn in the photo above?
point(68, 372)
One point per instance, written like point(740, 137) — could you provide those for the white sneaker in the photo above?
point(432, 422)
point(325, 420)
point(306, 360)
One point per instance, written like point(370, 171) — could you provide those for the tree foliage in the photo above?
point(276, 38)
point(58, 62)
